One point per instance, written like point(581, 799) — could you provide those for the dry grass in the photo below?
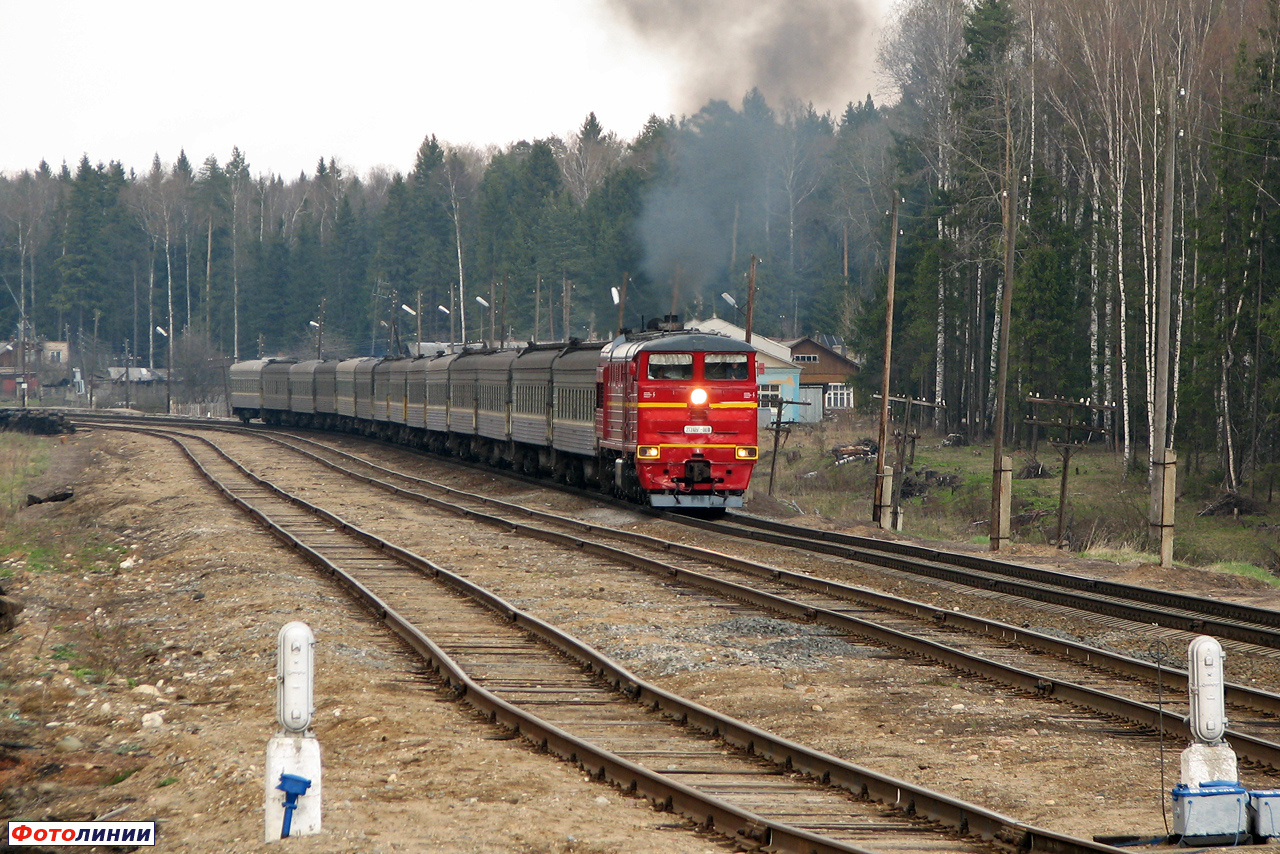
point(1106, 506)
point(22, 459)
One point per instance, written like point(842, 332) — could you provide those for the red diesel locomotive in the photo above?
point(665, 418)
point(676, 418)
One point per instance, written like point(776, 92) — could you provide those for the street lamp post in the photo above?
point(733, 302)
point(485, 303)
point(168, 373)
point(319, 336)
point(409, 311)
point(449, 315)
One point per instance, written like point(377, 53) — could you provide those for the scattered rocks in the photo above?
point(153, 720)
point(68, 744)
point(10, 608)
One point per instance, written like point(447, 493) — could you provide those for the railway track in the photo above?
point(567, 699)
point(1228, 621)
point(1107, 683)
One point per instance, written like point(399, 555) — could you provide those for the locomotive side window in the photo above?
point(726, 366)
point(670, 366)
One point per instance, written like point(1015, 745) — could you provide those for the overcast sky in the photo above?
point(364, 82)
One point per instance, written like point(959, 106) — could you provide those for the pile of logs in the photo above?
point(863, 449)
point(1232, 504)
point(36, 422)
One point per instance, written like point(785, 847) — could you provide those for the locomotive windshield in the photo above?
point(726, 366)
point(670, 366)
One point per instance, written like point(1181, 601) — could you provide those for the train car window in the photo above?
point(670, 366)
point(726, 366)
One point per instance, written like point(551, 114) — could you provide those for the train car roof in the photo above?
point(676, 342)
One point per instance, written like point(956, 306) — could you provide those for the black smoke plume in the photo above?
point(805, 50)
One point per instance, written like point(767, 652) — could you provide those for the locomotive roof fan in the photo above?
point(666, 323)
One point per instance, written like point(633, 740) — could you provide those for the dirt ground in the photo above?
point(140, 684)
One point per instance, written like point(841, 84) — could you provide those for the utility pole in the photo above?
point(22, 341)
point(1001, 478)
point(1163, 473)
point(882, 495)
point(751, 295)
point(393, 339)
point(320, 332)
point(493, 308)
point(502, 315)
point(566, 306)
point(128, 362)
point(622, 301)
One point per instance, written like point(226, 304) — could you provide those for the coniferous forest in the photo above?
point(1055, 127)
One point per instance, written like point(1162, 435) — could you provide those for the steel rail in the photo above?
point(707, 811)
point(1182, 612)
point(1229, 612)
point(1263, 751)
point(1260, 750)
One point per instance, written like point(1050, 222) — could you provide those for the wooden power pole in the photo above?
point(883, 491)
point(1163, 473)
point(1001, 467)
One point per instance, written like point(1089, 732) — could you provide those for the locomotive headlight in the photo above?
point(647, 452)
point(746, 452)
point(698, 397)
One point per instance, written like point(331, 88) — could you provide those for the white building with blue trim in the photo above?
point(778, 377)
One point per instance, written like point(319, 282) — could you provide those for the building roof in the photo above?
point(136, 375)
point(835, 354)
point(766, 346)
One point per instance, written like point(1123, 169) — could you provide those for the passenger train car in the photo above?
point(662, 418)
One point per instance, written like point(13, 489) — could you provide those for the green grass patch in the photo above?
point(121, 776)
point(64, 652)
point(1248, 570)
point(167, 781)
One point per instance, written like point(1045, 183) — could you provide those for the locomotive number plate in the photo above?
point(697, 428)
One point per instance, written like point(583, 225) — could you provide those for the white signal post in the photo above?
point(1209, 805)
point(293, 753)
